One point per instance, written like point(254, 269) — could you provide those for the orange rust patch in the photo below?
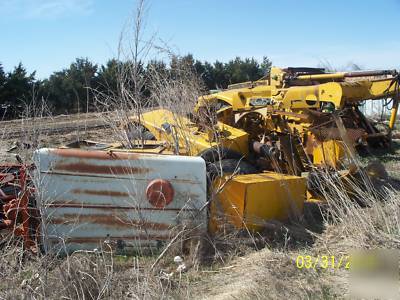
point(316, 92)
point(160, 193)
point(100, 155)
point(99, 169)
point(109, 221)
point(101, 193)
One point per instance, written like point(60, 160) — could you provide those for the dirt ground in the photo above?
point(21, 136)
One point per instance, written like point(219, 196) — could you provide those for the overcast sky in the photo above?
point(47, 35)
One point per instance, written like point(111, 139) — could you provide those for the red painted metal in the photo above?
point(16, 215)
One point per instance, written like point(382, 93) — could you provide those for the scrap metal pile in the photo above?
point(245, 156)
point(19, 215)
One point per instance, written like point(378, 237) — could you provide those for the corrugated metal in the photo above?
point(91, 197)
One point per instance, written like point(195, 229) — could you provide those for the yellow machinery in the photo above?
point(303, 102)
point(246, 200)
point(268, 133)
point(186, 137)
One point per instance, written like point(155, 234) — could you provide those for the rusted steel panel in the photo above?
point(91, 197)
point(332, 133)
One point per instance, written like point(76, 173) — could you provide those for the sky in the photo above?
point(47, 35)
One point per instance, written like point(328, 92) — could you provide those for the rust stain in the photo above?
point(82, 167)
point(186, 181)
point(74, 204)
point(316, 92)
point(108, 220)
point(102, 193)
point(99, 155)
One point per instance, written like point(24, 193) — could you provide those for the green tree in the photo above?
point(179, 64)
point(157, 66)
point(16, 86)
point(155, 70)
point(240, 70)
point(220, 75)
point(205, 71)
point(3, 79)
point(107, 77)
point(265, 66)
point(82, 77)
point(69, 90)
point(56, 90)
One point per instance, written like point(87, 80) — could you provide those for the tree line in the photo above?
point(71, 89)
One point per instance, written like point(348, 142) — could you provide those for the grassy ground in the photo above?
point(250, 267)
point(389, 157)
